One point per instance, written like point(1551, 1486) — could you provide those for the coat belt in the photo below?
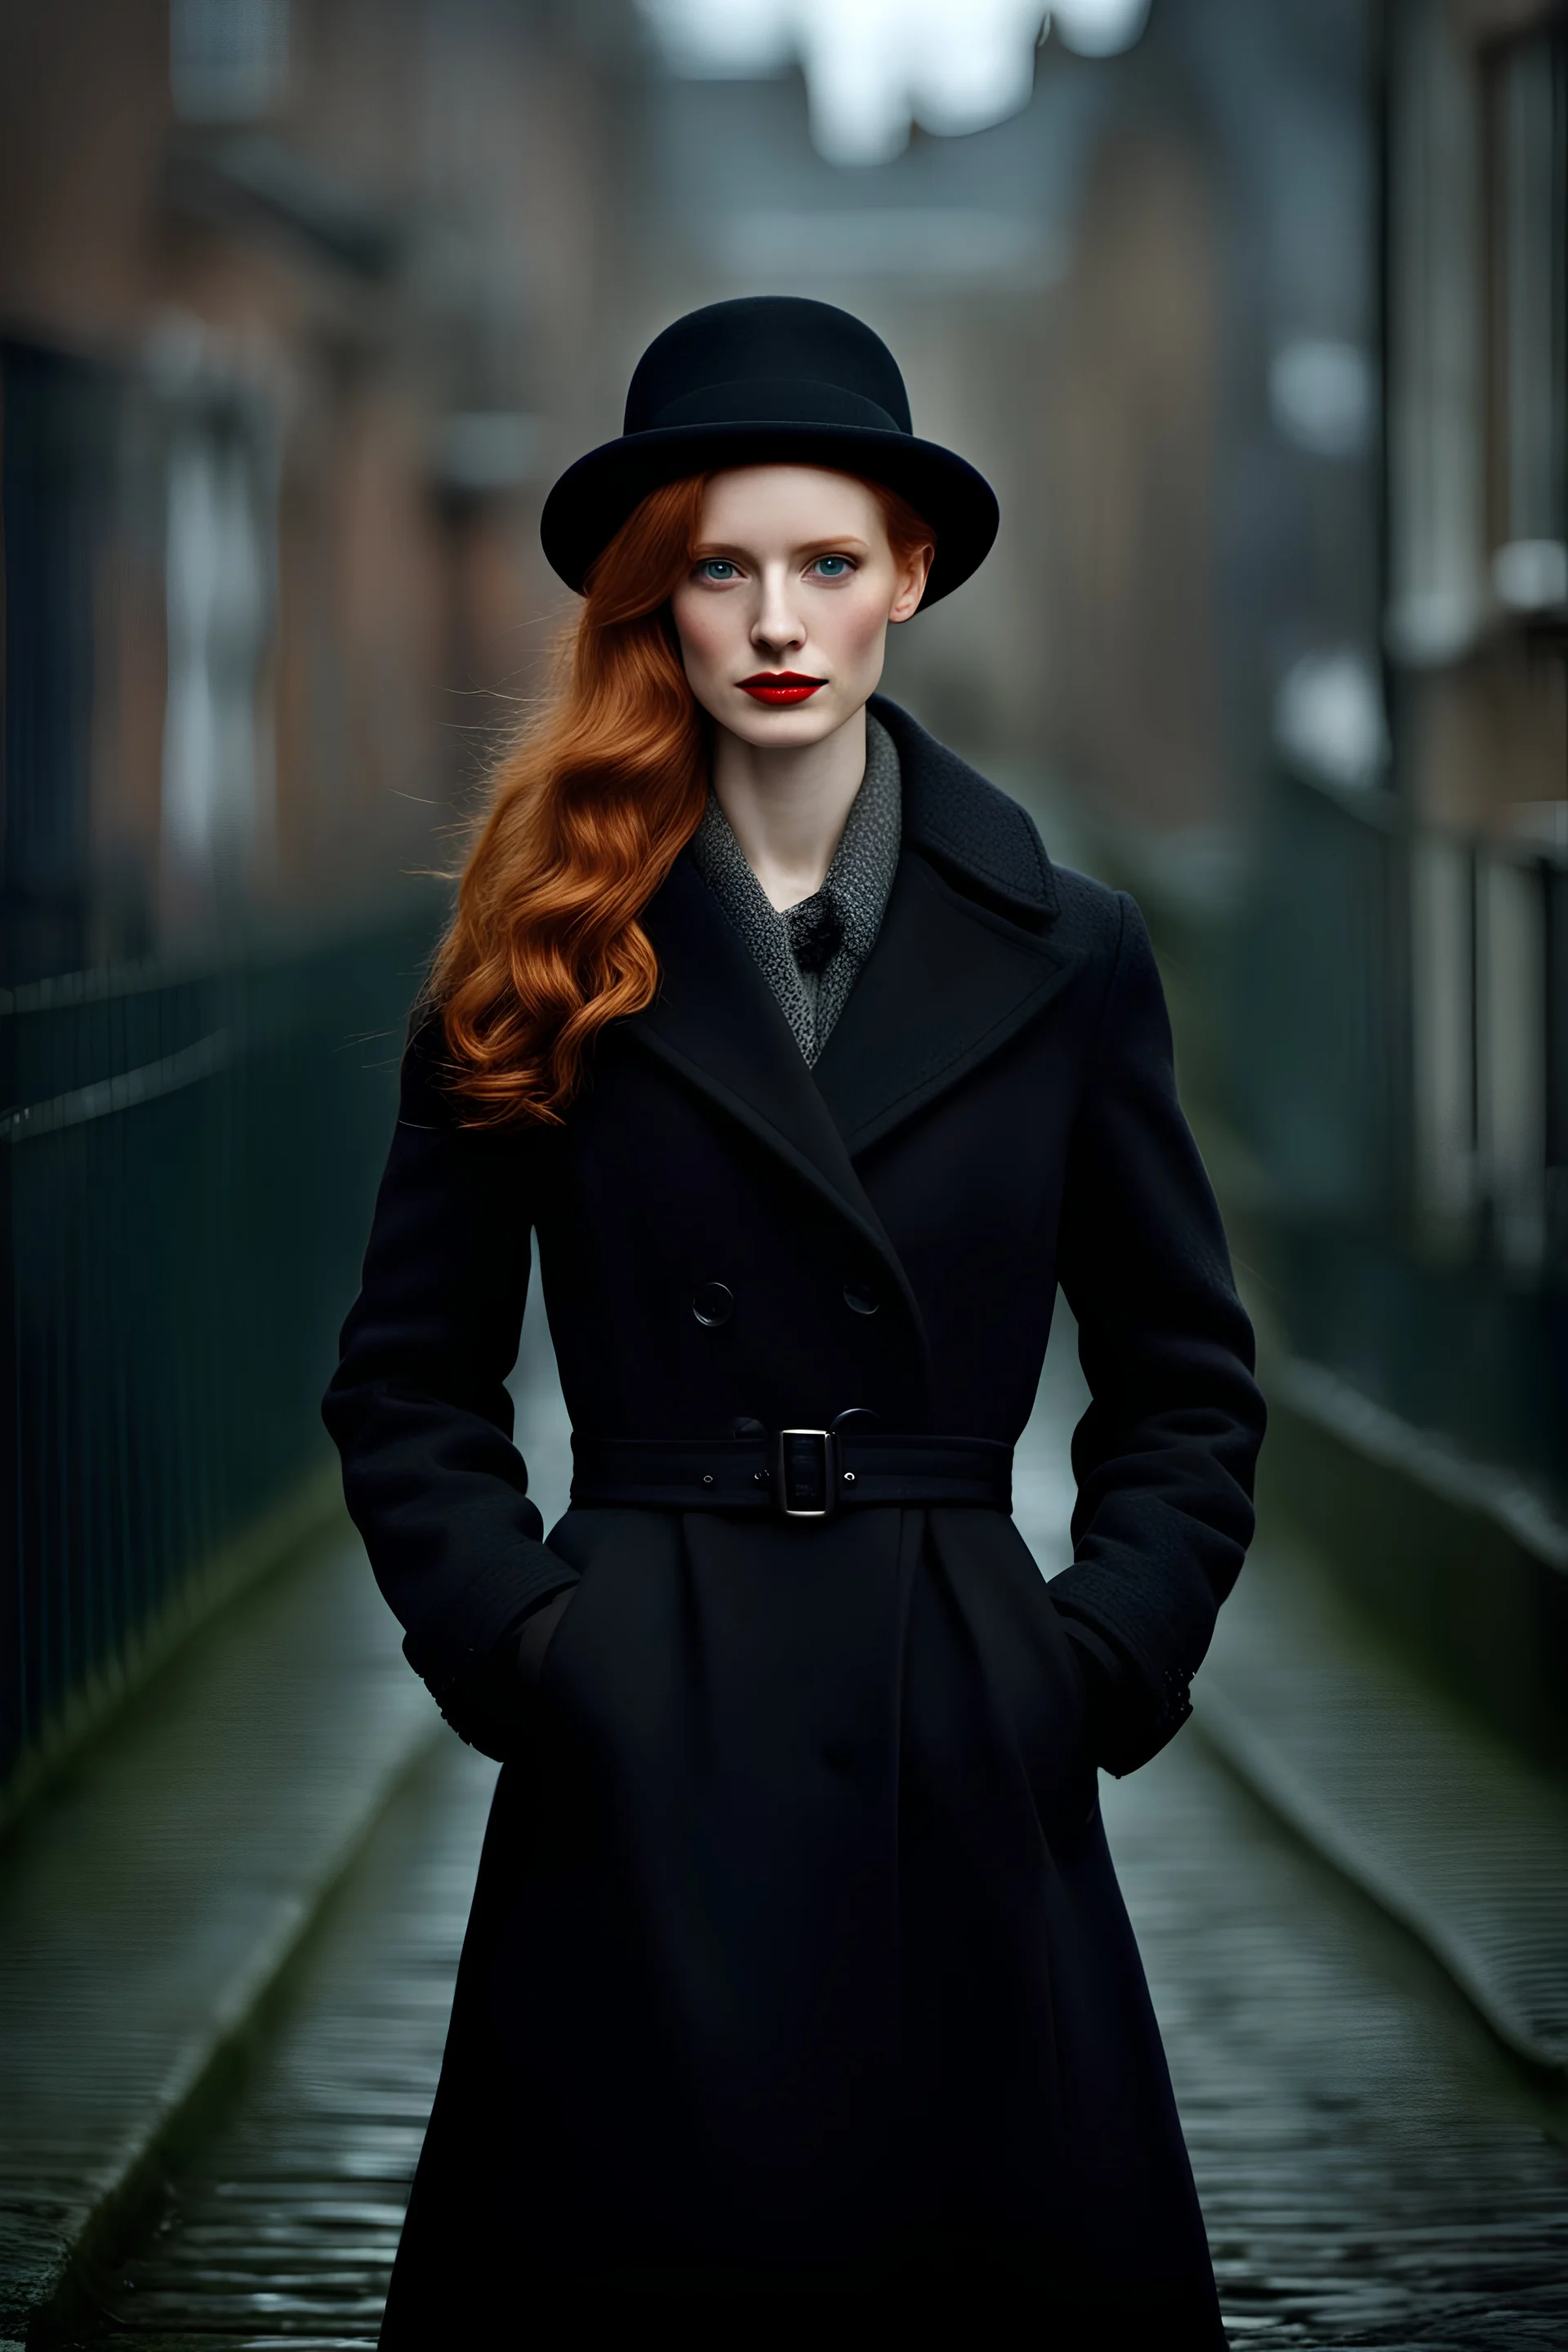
point(797, 1473)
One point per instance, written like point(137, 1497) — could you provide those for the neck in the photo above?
point(787, 808)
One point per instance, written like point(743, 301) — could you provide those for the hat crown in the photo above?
point(772, 355)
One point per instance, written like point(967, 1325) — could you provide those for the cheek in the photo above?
point(854, 627)
point(706, 629)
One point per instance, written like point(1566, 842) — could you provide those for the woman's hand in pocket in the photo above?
point(491, 1705)
point(1101, 1684)
point(537, 1632)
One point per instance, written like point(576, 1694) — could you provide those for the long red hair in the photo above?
point(585, 814)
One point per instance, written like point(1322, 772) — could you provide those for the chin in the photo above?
point(806, 723)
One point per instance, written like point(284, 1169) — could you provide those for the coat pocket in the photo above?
point(610, 1659)
point(579, 1538)
point(1032, 1671)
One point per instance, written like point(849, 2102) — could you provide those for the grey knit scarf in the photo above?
point(812, 953)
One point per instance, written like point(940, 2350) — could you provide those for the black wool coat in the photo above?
point(797, 1964)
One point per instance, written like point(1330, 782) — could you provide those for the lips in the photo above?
point(779, 688)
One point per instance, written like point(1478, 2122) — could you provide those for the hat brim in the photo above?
point(595, 497)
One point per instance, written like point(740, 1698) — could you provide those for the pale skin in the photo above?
point(793, 574)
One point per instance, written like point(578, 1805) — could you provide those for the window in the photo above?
point(217, 780)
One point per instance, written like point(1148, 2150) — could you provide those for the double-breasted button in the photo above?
point(860, 1298)
point(712, 1303)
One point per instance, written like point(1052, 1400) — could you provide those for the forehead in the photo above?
point(788, 505)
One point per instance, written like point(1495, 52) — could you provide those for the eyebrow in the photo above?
point(847, 542)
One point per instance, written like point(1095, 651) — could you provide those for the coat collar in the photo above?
point(949, 983)
point(963, 824)
point(964, 958)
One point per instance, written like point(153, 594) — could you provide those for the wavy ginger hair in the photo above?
point(586, 814)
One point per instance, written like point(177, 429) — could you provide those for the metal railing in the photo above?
point(187, 1164)
point(1399, 1044)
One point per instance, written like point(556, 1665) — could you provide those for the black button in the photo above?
point(712, 1303)
point(856, 1419)
point(860, 1298)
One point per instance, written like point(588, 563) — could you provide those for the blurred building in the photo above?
point(1398, 1008)
point(291, 297)
point(1309, 416)
point(299, 301)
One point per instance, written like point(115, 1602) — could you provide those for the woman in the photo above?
point(797, 1965)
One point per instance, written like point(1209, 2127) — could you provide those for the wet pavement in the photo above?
point(280, 2229)
point(1374, 2169)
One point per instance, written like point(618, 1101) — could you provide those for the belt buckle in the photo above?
point(805, 1467)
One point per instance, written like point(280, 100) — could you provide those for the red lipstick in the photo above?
point(781, 686)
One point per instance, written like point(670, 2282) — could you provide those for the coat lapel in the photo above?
point(952, 975)
point(947, 984)
point(715, 1021)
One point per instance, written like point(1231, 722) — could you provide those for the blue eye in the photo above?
point(715, 567)
point(832, 567)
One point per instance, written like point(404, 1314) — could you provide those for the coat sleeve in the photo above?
point(1164, 1455)
point(418, 1405)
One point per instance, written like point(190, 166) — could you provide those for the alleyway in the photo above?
point(1374, 2171)
point(1254, 315)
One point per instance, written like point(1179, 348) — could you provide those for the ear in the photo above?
point(911, 585)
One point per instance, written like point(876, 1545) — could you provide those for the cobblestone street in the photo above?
point(1375, 2170)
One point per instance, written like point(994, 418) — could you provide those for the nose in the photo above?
point(777, 628)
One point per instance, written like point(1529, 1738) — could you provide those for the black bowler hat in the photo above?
point(766, 379)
